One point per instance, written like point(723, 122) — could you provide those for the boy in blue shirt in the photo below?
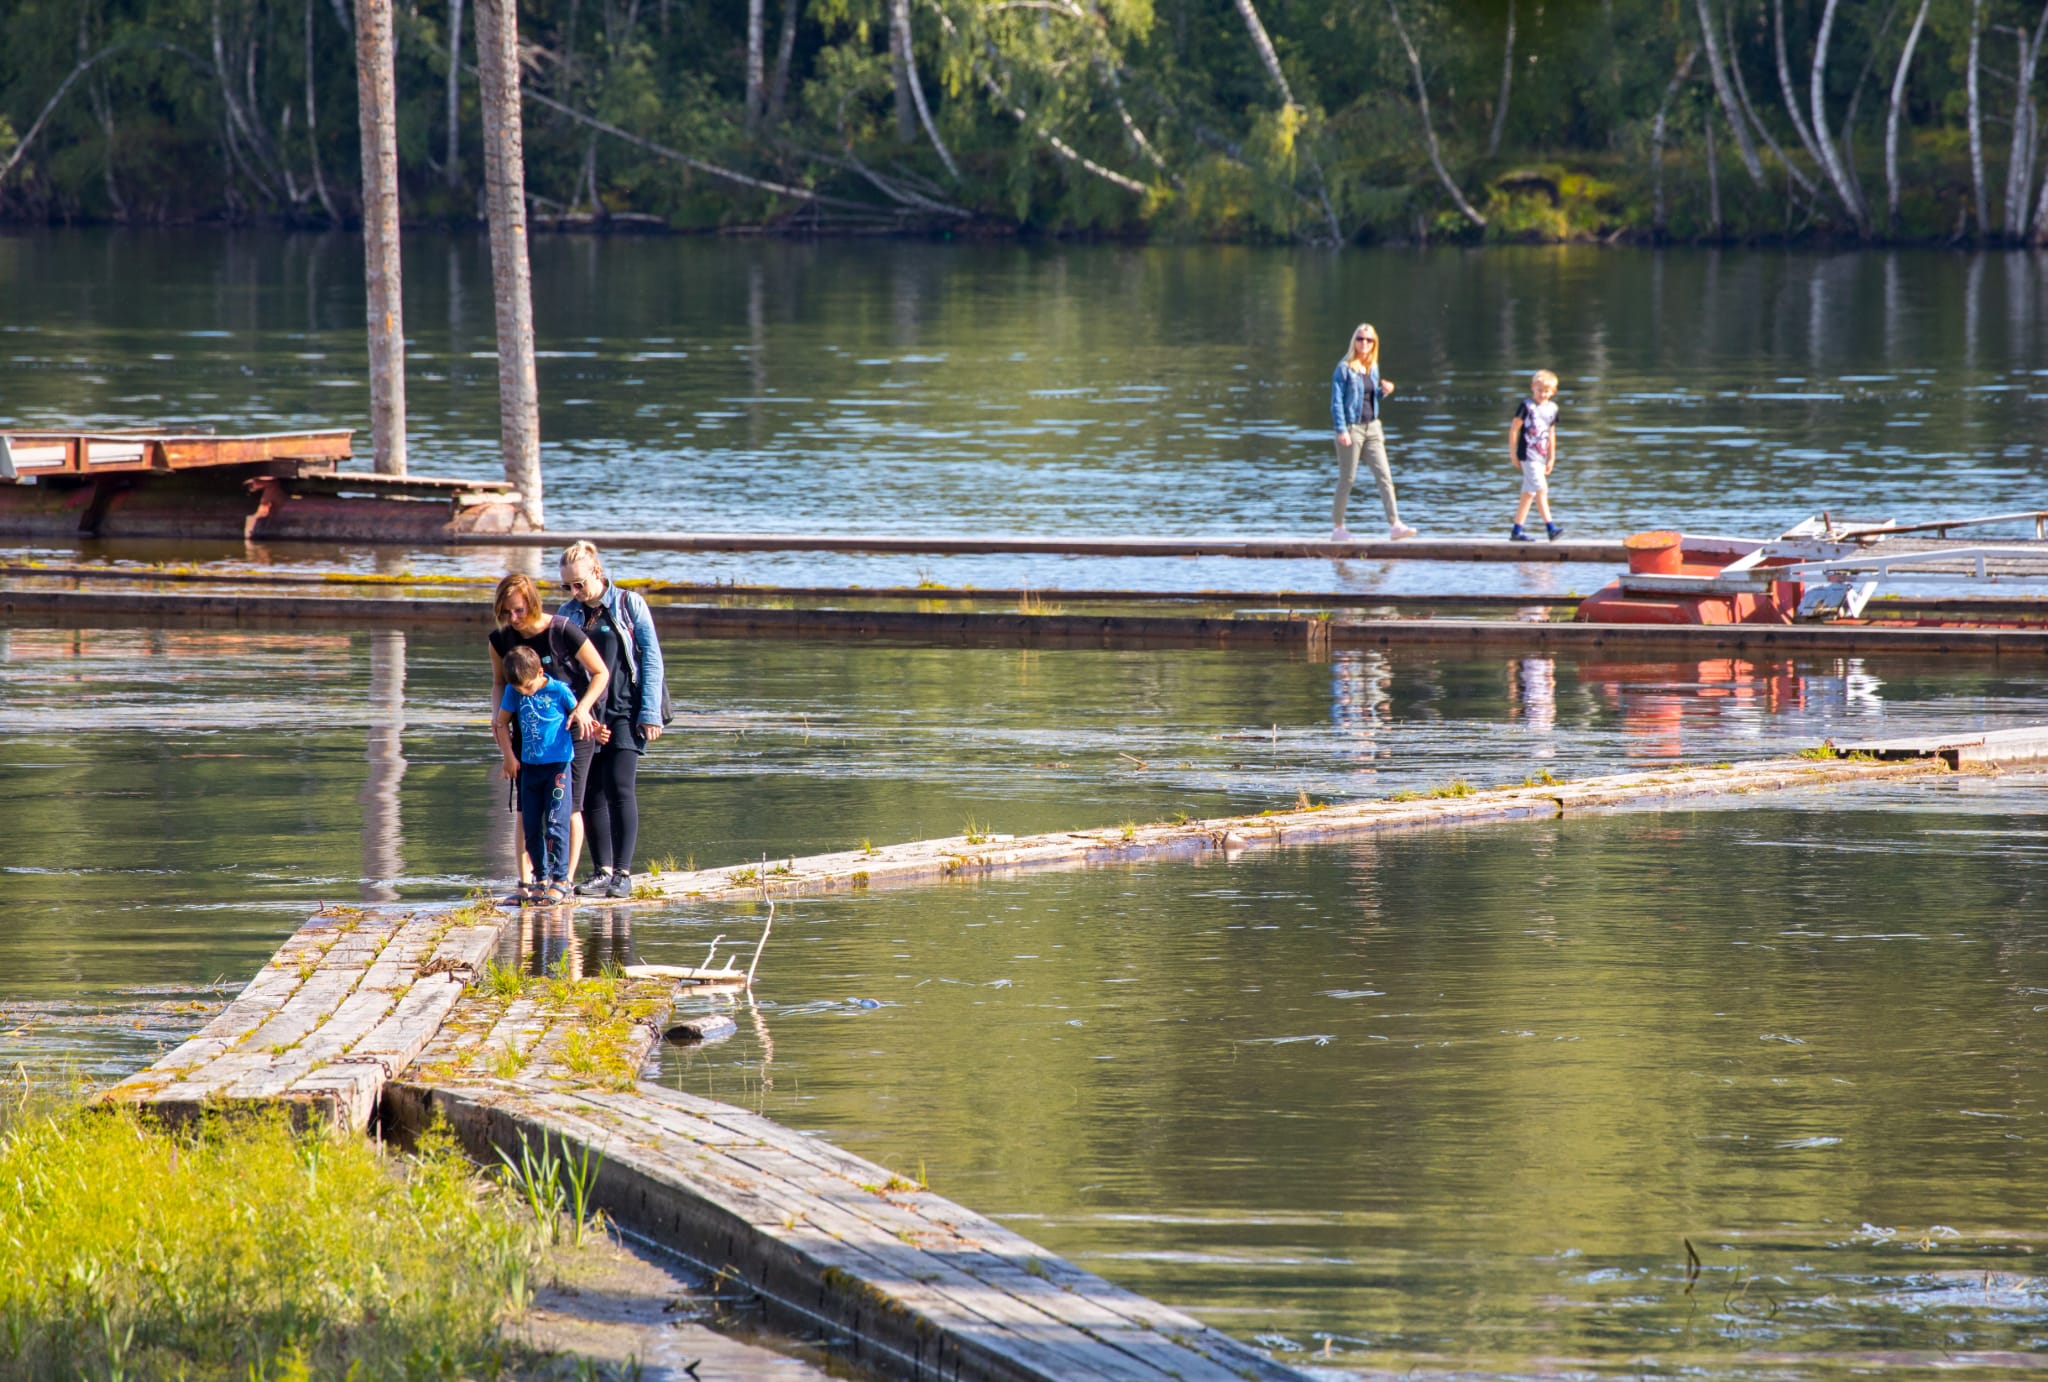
point(542, 706)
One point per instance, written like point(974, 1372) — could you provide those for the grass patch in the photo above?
point(240, 1249)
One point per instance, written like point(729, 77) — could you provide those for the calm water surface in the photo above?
point(1453, 1101)
point(1071, 390)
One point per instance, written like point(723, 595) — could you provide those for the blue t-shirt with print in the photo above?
point(543, 722)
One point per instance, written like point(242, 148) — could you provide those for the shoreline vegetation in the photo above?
point(240, 1248)
point(1310, 122)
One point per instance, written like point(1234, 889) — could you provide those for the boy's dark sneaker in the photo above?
point(1515, 534)
point(1553, 529)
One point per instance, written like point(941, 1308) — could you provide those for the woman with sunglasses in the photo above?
point(1355, 393)
point(621, 629)
point(566, 655)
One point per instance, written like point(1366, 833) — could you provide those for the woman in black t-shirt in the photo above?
point(566, 655)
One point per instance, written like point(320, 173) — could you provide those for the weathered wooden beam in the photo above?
point(958, 856)
point(916, 1283)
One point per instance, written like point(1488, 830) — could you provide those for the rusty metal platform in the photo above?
point(275, 486)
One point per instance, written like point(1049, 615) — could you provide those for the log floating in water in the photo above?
point(708, 1027)
point(924, 861)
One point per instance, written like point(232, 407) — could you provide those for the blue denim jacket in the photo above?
point(642, 650)
point(1354, 397)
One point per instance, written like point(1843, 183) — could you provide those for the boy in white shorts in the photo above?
point(1532, 441)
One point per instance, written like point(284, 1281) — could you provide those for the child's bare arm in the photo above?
point(1514, 441)
point(1551, 464)
point(501, 730)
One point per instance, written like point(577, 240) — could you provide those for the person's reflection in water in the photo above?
point(608, 938)
point(1532, 691)
point(554, 948)
point(1360, 706)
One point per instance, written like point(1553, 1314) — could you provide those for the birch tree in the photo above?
point(1891, 118)
point(1725, 93)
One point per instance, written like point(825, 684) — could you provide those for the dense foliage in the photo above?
point(1308, 120)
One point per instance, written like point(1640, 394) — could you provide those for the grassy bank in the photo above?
point(241, 1249)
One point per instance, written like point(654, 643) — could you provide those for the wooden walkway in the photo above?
point(1306, 634)
point(1425, 548)
point(2001, 748)
point(348, 1001)
point(361, 1014)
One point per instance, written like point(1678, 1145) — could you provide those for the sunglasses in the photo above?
point(1361, 336)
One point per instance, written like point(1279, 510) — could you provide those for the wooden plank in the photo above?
point(840, 1251)
point(1450, 548)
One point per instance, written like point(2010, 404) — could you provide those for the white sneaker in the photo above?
point(1340, 535)
point(1399, 531)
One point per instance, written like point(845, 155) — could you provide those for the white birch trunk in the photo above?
point(1977, 119)
point(1725, 94)
point(377, 105)
point(1816, 95)
point(1891, 118)
point(1436, 157)
point(451, 152)
point(1657, 219)
point(1791, 92)
point(497, 45)
point(1507, 86)
point(757, 44)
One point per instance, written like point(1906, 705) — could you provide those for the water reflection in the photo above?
point(383, 829)
point(1458, 1102)
point(1081, 389)
point(574, 940)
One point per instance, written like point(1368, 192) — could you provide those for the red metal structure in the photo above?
point(282, 485)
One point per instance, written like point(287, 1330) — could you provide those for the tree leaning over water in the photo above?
point(1286, 120)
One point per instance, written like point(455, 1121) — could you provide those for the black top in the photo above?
point(557, 646)
point(604, 635)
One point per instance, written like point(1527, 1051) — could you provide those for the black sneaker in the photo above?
point(621, 884)
point(1515, 534)
point(598, 885)
point(1554, 530)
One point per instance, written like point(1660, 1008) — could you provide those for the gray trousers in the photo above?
point(1366, 439)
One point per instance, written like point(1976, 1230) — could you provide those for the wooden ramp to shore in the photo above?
point(916, 1285)
point(349, 1001)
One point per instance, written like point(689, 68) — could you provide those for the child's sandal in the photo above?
point(553, 895)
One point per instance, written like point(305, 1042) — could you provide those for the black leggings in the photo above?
point(611, 804)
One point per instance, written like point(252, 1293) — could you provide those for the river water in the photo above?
point(1064, 390)
point(1749, 1089)
point(1452, 1100)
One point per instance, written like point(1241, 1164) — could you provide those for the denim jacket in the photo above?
point(1354, 397)
point(642, 650)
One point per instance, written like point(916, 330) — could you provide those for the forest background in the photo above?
point(1306, 121)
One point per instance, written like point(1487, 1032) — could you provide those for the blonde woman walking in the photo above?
point(1355, 393)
